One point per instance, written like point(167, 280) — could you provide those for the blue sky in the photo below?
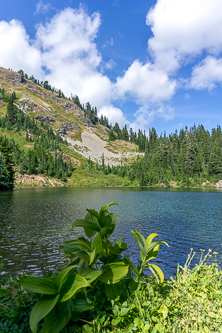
point(146, 63)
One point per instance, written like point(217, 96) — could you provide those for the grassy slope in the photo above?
point(82, 176)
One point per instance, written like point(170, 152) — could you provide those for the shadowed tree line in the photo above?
point(188, 158)
point(44, 155)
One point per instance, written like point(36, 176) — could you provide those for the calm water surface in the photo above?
point(34, 222)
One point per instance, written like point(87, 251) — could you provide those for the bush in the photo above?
point(97, 274)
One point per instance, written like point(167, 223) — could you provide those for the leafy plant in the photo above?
point(97, 273)
point(148, 251)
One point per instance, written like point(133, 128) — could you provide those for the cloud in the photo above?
point(114, 115)
point(183, 29)
point(41, 8)
point(65, 53)
point(146, 114)
point(145, 83)
point(71, 55)
point(19, 52)
point(110, 64)
point(186, 96)
point(206, 74)
point(109, 43)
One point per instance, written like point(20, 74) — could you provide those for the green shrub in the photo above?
point(96, 275)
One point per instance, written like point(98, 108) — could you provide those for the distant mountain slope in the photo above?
point(67, 119)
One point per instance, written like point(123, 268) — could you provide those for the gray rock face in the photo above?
point(67, 105)
point(45, 120)
point(219, 184)
point(21, 79)
point(25, 105)
point(65, 128)
point(87, 123)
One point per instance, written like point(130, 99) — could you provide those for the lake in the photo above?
point(34, 222)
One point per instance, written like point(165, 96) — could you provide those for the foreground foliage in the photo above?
point(192, 302)
point(96, 274)
point(101, 290)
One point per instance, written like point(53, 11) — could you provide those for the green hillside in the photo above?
point(48, 139)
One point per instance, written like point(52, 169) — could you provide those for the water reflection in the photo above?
point(33, 222)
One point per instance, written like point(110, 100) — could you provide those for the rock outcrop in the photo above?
point(66, 128)
point(36, 180)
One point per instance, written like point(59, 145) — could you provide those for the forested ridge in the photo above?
point(187, 158)
point(43, 157)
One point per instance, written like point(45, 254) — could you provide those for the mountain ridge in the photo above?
point(87, 142)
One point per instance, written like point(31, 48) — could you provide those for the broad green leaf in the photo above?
point(158, 271)
point(82, 304)
point(93, 217)
point(142, 257)
point(57, 319)
point(150, 238)
point(92, 256)
point(113, 290)
point(114, 272)
point(137, 236)
point(86, 224)
point(82, 265)
point(105, 221)
point(92, 212)
point(106, 232)
point(43, 306)
point(106, 207)
point(153, 253)
point(73, 283)
point(152, 246)
point(140, 235)
point(63, 275)
point(90, 274)
point(112, 227)
point(70, 249)
point(97, 244)
point(83, 255)
point(118, 241)
point(80, 242)
point(46, 286)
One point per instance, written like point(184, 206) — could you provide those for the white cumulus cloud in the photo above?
point(71, 55)
point(18, 52)
point(114, 115)
point(183, 29)
point(206, 74)
point(145, 83)
point(146, 114)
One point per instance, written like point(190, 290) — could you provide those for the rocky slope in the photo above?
point(68, 120)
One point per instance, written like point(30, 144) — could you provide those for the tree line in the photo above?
point(45, 155)
point(188, 158)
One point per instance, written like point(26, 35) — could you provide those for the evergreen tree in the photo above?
point(6, 168)
point(112, 136)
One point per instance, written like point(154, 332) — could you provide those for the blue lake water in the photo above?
point(34, 222)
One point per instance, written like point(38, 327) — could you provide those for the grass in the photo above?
point(122, 146)
point(82, 176)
